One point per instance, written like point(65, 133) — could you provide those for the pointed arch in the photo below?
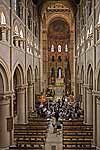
point(19, 75)
point(90, 76)
point(4, 84)
point(3, 18)
point(5, 75)
point(29, 74)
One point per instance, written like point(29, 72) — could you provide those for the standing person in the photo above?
point(54, 123)
point(72, 99)
point(57, 115)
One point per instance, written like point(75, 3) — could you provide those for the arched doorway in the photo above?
point(30, 89)
point(4, 107)
point(89, 95)
point(19, 99)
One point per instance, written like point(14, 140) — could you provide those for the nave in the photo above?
point(48, 45)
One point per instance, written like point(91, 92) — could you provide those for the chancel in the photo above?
point(50, 74)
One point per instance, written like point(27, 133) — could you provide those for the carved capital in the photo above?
point(20, 88)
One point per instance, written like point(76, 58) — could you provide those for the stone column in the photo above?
point(89, 107)
point(21, 105)
point(21, 44)
point(4, 114)
point(34, 95)
point(98, 122)
point(82, 97)
point(94, 119)
point(85, 105)
point(30, 97)
point(4, 35)
point(16, 42)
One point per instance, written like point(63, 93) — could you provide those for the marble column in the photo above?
point(4, 114)
point(98, 122)
point(89, 107)
point(21, 105)
point(30, 97)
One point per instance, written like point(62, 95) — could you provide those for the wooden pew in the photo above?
point(25, 147)
point(77, 135)
point(31, 135)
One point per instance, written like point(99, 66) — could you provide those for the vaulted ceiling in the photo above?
point(39, 2)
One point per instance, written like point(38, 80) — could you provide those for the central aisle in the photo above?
point(54, 140)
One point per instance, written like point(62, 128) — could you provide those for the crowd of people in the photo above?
point(66, 108)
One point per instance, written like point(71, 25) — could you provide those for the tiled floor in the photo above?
point(54, 140)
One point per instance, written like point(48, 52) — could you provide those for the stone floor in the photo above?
point(54, 140)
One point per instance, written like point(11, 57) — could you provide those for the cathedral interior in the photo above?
point(49, 49)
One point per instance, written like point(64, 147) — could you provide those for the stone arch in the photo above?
point(29, 74)
point(16, 23)
point(3, 18)
point(4, 10)
point(30, 88)
point(20, 66)
point(90, 76)
point(89, 95)
point(18, 72)
point(4, 85)
point(89, 64)
point(5, 75)
point(19, 98)
point(60, 16)
point(4, 102)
